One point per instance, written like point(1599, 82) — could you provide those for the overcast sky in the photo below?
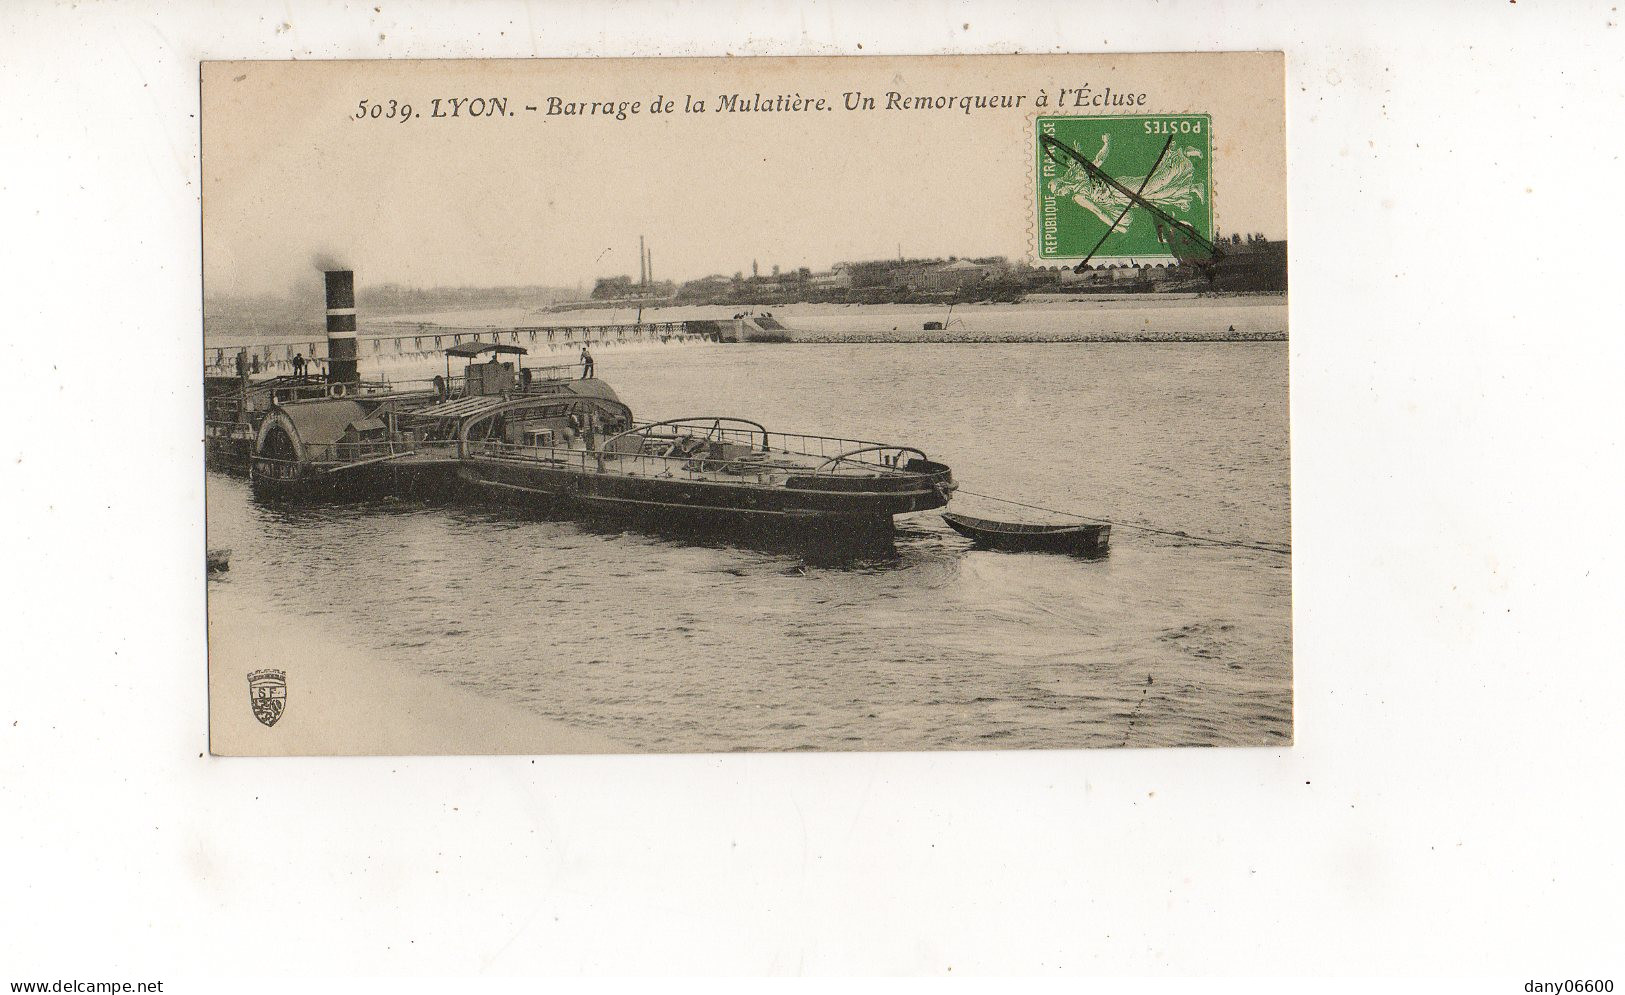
point(291, 177)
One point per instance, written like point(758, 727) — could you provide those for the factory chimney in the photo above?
point(649, 265)
point(341, 344)
point(643, 264)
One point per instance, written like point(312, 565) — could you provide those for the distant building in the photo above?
point(1250, 263)
point(876, 273)
point(612, 287)
point(1110, 275)
point(955, 275)
point(616, 288)
point(705, 287)
point(836, 279)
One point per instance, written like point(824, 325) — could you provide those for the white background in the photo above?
point(1452, 804)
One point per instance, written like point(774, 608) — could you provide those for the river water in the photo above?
point(674, 643)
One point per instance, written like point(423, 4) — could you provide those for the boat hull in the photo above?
point(379, 480)
point(809, 502)
point(1090, 541)
point(233, 454)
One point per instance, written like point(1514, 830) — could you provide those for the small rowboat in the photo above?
point(1080, 540)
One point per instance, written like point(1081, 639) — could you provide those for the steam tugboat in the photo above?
point(538, 437)
point(235, 407)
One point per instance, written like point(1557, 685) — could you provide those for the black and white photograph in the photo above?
point(522, 439)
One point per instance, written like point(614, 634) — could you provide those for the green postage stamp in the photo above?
point(1084, 213)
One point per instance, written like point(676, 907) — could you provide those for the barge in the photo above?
point(542, 438)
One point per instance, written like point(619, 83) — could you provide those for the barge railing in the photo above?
point(326, 458)
point(237, 430)
point(753, 467)
point(543, 374)
point(834, 462)
point(331, 453)
point(755, 470)
point(716, 429)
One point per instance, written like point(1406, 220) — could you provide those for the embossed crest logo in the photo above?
point(268, 694)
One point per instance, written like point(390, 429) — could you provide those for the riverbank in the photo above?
point(345, 701)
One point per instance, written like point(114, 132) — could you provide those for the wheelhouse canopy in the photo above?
point(324, 422)
point(478, 348)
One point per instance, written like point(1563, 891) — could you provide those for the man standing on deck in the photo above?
point(586, 364)
point(299, 366)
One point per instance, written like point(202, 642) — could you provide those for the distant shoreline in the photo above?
point(939, 338)
point(1077, 295)
point(931, 338)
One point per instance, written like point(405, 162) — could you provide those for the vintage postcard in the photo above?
point(746, 404)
